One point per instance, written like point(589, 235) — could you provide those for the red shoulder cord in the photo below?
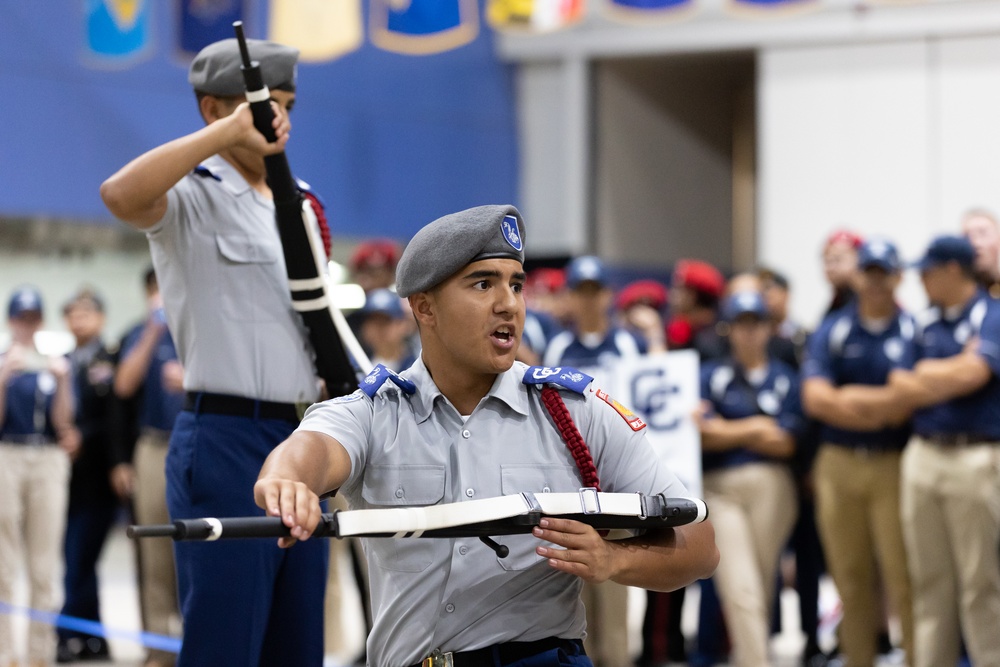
point(571, 435)
point(324, 225)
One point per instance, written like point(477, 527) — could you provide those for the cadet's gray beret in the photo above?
point(216, 68)
point(449, 243)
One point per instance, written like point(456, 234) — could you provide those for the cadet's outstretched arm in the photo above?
point(295, 474)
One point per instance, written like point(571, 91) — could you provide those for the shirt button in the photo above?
point(470, 492)
point(466, 434)
point(399, 493)
point(463, 550)
point(449, 608)
point(545, 489)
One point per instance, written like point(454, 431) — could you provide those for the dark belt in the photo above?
point(507, 652)
point(959, 439)
point(202, 402)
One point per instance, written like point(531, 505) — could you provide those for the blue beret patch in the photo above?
point(564, 376)
point(377, 377)
point(509, 228)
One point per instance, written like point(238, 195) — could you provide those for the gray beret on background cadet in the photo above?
point(449, 243)
point(216, 68)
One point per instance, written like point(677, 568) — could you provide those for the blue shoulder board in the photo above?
point(377, 377)
point(305, 187)
point(564, 376)
point(205, 172)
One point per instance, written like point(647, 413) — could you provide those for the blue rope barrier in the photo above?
point(146, 639)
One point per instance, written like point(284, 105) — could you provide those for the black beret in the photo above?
point(449, 243)
point(216, 68)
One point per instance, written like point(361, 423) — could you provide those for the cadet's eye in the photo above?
point(481, 284)
point(518, 287)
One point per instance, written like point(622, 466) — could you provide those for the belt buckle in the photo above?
point(438, 659)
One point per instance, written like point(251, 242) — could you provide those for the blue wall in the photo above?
point(389, 141)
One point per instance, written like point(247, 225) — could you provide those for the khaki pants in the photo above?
point(34, 489)
point(857, 507)
point(753, 510)
point(157, 579)
point(607, 624)
point(951, 522)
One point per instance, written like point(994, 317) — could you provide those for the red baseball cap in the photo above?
point(843, 236)
point(650, 292)
point(546, 280)
point(699, 276)
point(374, 254)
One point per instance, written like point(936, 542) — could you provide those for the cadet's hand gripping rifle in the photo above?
point(304, 256)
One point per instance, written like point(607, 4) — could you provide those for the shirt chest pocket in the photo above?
point(246, 273)
point(404, 486)
point(527, 478)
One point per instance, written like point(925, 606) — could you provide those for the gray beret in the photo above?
point(449, 243)
point(216, 68)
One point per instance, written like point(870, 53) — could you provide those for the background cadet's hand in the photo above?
point(294, 502)
point(59, 367)
point(584, 552)
point(249, 137)
point(122, 478)
point(172, 375)
point(70, 440)
point(12, 363)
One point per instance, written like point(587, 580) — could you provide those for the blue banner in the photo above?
point(205, 21)
point(117, 30)
point(419, 27)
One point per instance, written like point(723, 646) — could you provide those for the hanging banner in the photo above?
point(421, 27)
point(203, 22)
point(664, 390)
point(645, 10)
point(117, 31)
point(533, 15)
point(321, 30)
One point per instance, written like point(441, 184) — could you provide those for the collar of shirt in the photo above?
point(506, 388)
point(227, 174)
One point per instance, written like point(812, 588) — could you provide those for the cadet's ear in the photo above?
point(422, 305)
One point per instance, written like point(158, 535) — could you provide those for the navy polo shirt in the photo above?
point(939, 337)
point(158, 407)
point(733, 396)
point(568, 349)
point(843, 351)
point(29, 406)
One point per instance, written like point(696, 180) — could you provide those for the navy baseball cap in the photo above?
point(948, 248)
point(25, 299)
point(586, 268)
point(744, 303)
point(383, 301)
point(879, 253)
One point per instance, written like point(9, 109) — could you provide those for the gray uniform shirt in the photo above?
point(413, 450)
point(222, 275)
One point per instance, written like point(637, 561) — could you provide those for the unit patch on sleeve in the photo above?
point(633, 420)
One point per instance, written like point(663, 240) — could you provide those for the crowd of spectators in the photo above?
point(841, 449)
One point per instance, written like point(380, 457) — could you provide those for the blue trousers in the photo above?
point(245, 603)
point(87, 528)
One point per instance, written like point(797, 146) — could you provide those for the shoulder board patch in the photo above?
point(377, 377)
point(632, 419)
point(308, 189)
point(205, 172)
point(564, 376)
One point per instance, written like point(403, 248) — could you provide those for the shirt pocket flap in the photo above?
point(244, 249)
point(405, 485)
